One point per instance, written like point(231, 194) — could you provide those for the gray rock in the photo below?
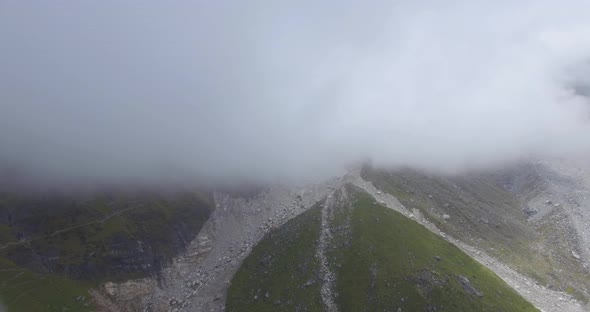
point(575, 255)
point(466, 283)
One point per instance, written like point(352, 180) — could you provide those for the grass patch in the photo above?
point(392, 262)
point(284, 267)
point(6, 234)
point(24, 291)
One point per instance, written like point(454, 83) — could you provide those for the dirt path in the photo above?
point(67, 229)
point(325, 239)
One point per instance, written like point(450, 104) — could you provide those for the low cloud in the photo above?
point(109, 91)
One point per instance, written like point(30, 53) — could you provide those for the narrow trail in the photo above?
point(67, 229)
point(328, 277)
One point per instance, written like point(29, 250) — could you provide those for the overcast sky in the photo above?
point(102, 90)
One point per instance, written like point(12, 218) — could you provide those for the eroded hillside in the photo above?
point(371, 238)
point(367, 257)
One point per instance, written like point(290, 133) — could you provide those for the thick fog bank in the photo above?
point(109, 91)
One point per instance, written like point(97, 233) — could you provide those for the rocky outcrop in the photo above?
point(468, 287)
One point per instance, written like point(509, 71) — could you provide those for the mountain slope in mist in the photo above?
point(496, 211)
point(304, 246)
point(350, 253)
point(50, 242)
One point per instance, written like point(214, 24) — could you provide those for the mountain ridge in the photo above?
point(263, 215)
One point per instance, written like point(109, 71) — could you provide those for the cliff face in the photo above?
point(99, 237)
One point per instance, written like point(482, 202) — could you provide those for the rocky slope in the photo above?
point(486, 218)
point(560, 199)
point(198, 279)
point(494, 212)
point(543, 297)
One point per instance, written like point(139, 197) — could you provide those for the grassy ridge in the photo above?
point(382, 261)
point(391, 262)
point(489, 217)
point(281, 272)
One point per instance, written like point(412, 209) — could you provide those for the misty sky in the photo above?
point(104, 90)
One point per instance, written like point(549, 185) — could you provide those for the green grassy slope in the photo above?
point(106, 235)
point(387, 261)
point(280, 274)
point(24, 291)
point(476, 206)
point(382, 261)
point(485, 215)
point(66, 245)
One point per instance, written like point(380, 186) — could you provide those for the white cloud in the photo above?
point(264, 90)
